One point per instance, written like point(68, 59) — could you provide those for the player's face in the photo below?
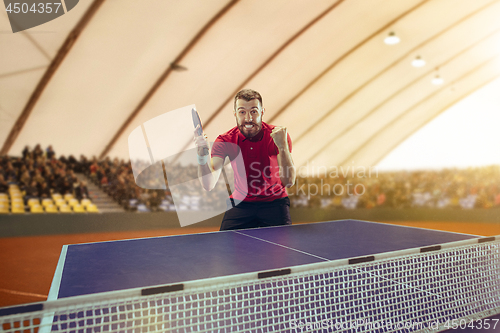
point(249, 117)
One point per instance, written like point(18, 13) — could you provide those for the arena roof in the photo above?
point(85, 80)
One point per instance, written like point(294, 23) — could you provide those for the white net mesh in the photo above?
point(412, 293)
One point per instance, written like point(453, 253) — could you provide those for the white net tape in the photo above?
point(412, 293)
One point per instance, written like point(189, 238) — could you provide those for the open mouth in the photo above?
point(248, 126)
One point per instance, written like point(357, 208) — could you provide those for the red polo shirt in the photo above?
point(260, 159)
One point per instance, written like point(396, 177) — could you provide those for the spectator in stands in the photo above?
point(52, 182)
point(38, 151)
point(31, 191)
point(38, 177)
point(92, 170)
point(82, 165)
point(144, 196)
point(71, 177)
point(63, 159)
point(104, 181)
point(72, 162)
point(3, 184)
point(10, 173)
point(26, 152)
point(63, 184)
point(154, 201)
point(50, 152)
point(44, 191)
point(120, 189)
point(81, 191)
point(25, 178)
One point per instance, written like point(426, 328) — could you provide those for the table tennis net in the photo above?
point(404, 291)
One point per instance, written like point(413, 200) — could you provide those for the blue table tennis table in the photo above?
point(91, 268)
point(107, 266)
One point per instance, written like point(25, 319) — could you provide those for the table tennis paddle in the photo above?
point(196, 123)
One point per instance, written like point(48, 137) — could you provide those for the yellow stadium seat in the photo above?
point(72, 202)
point(51, 209)
point(78, 208)
point(17, 210)
point(65, 209)
point(4, 207)
point(17, 202)
point(36, 209)
point(13, 187)
point(33, 201)
point(68, 196)
point(85, 202)
point(16, 195)
point(92, 208)
point(60, 202)
point(56, 196)
point(47, 202)
point(4, 196)
point(4, 200)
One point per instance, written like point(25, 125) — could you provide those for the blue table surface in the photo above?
point(108, 266)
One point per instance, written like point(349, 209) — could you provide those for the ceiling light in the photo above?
point(391, 39)
point(437, 80)
point(418, 62)
point(177, 67)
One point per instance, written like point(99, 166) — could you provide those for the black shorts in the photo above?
point(248, 215)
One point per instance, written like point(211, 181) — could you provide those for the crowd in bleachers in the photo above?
point(115, 177)
point(455, 188)
point(39, 182)
point(459, 188)
point(39, 178)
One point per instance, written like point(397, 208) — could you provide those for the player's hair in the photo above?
point(247, 95)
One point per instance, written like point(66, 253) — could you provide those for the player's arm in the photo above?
point(285, 161)
point(209, 169)
point(209, 173)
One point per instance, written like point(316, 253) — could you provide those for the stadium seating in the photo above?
point(77, 208)
point(60, 202)
point(32, 202)
point(73, 202)
point(16, 209)
point(4, 208)
point(36, 208)
point(47, 202)
point(91, 208)
point(65, 209)
point(51, 209)
point(85, 202)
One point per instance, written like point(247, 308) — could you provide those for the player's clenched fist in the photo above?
point(279, 136)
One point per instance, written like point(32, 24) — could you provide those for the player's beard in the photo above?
point(250, 133)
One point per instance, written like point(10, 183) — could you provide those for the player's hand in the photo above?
point(279, 136)
point(201, 142)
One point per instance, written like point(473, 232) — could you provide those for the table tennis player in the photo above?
point(269, 169)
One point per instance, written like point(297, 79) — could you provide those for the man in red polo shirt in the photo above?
point(260, 196)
